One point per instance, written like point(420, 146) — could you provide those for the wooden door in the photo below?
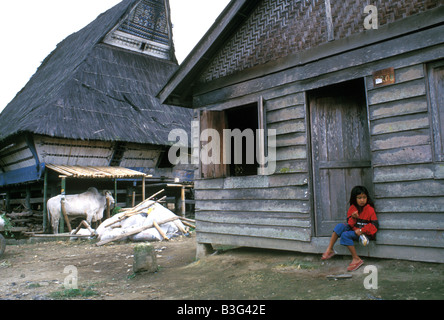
point(216, 120)
point(436, 87)
point(340, 150)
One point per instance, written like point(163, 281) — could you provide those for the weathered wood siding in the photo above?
point(409, 185)
point(73, 152)
point(263, 208)
point(277, 211)
point(16, 155)
point(140, 156)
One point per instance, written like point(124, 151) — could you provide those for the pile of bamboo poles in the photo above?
point(144, 207)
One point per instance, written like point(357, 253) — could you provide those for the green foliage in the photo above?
point(115, 210)
point(73, 293)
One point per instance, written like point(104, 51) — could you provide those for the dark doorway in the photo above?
point(340, 150)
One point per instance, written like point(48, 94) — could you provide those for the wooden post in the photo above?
point(28, 198)
point(107, 214)
point(143, 188)
point(45, 199)
point(62, 193)
point(115, 192)
point(145, 258)
point(62, 205)
point(8, 201)
point(182, 197)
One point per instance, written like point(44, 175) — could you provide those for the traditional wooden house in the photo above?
point(92, 103)
point(354, 90)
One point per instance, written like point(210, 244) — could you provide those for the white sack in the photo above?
point(147, 235)
point(111, 234)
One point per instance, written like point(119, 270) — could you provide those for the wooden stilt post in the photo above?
point(143, 188)
point(115, 192)
point(62, 204)
point(133, 197)
point(107, 214)
point(28, 198)
point(8, 201)
point(182, 197)
point(45, 199)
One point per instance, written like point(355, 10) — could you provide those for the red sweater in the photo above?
point(367, 220)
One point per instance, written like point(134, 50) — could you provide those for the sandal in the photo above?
point(355, 266)
point(328, 256)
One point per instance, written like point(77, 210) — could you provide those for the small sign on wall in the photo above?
point(383, 77)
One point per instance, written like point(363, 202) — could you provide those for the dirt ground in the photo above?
point(36, 272)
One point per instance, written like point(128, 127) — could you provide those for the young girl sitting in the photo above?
point(361, 219)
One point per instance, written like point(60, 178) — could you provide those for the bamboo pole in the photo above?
point(162, 234)
point(187, 219)
point(142, 203)
point(189, 224)
point(133, 212)
point(179, 226)
point(58, 235)
point(87, 226)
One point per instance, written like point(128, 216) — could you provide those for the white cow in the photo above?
point(90, 204)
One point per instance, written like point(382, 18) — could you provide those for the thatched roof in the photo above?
point(88, 90)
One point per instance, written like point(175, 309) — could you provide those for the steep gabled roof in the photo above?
point(179, 88)
point(89, 90)
point(252, 39)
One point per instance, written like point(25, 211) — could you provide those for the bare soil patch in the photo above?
point(36, 272)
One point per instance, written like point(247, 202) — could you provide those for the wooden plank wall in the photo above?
point(408, 180)
point(274, 211)
point(263, 209)
point(137, 155)
point(17, 156)
point(73, 152)
point(409, 185)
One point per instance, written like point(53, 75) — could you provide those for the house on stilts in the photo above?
point(354, 94)
point(90, 111)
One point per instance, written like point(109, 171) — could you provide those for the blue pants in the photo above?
point(346, 234)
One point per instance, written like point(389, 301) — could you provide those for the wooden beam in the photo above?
point(45, 199)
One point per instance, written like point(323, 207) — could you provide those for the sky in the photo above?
point(31, 29)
